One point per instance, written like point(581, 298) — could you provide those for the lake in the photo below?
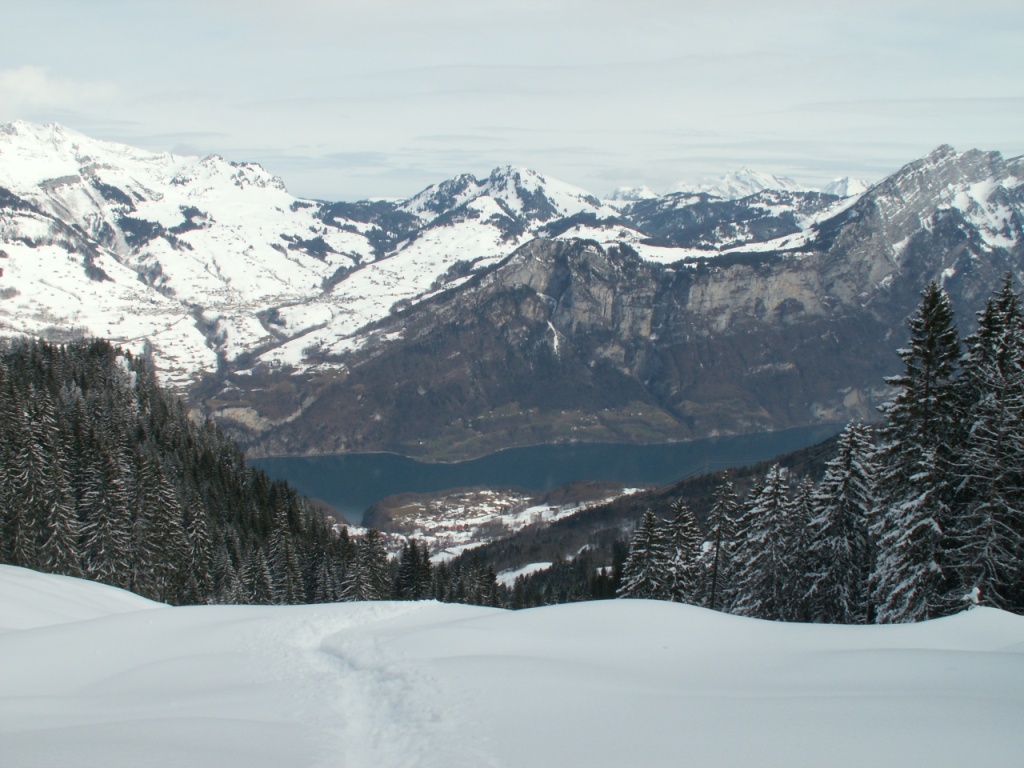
point(351, 482)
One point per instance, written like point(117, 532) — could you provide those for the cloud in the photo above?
point(29, 88)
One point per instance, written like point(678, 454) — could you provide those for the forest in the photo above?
point(104, 475)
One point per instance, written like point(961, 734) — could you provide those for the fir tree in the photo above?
point(647, 572)
point(200, 560)
point(914, 490)
point(367, 578)
point(717, 558)
point(797, 538)
point(839, 552)
point(104, 474)
point(684, 541)
point(985, 539)
point(413, 579)
point(763, 556)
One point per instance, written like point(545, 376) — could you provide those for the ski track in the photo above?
point(370, 706)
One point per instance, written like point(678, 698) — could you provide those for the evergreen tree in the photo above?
point(797, 538)
point(985, 539)
point(647, 572)
point(839, 551)
point(367, 578)
point(26, 496)
point(256, 581)
point(684, 540)
point(161, 549)
point(717, 558)
point(102, 473)
point(763, 557)
point(106, 519)
point(914, 491)
point(200, 565)
point(413, 579)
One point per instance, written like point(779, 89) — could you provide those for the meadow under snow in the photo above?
point(92, 676)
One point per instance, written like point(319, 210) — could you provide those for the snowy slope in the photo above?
point(31, 600)
point(615, 683)
point(183, 252)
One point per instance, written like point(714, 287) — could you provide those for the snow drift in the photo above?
point(92, 676)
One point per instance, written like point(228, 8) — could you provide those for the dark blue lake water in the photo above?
point(351, 482)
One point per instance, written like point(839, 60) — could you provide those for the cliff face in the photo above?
point(572, 340)
point(566, 340)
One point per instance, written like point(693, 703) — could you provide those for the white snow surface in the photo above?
point(375, 685)
point(508, 578)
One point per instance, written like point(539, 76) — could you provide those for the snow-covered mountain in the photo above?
point(126, 682)
point(845, 187)
point(741, 183)
point(185, 253)
point(792, 320)
point(630, 195)
point(205, 260)
point(218, 271)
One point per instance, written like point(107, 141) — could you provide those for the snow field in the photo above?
point(93, 676)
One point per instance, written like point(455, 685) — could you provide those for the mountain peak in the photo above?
point(632, 194)
point(742, 183)
point(845, 187)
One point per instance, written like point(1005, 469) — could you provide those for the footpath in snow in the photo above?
point(92, 676)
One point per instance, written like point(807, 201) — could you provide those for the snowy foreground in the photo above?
point(92, 676)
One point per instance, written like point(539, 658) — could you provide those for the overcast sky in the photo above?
point(346, 99)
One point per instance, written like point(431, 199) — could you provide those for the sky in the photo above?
point(350, 99)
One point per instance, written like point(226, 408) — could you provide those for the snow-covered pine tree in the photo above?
point(160, 544)
point(716, 560)
point(106, 519)
point(6, 513)
point(367, 578)
point(256, 581)
point(200, 566)
point(647, 571)
point(839, 552)
point(763, 556)
point(284, 561)
point(684, 540)
point(915, 489)
point(24, 529)
point(797, 536)
point(413, 579)
point(985, 539)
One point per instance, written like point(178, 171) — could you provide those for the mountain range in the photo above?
point(488, 312)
